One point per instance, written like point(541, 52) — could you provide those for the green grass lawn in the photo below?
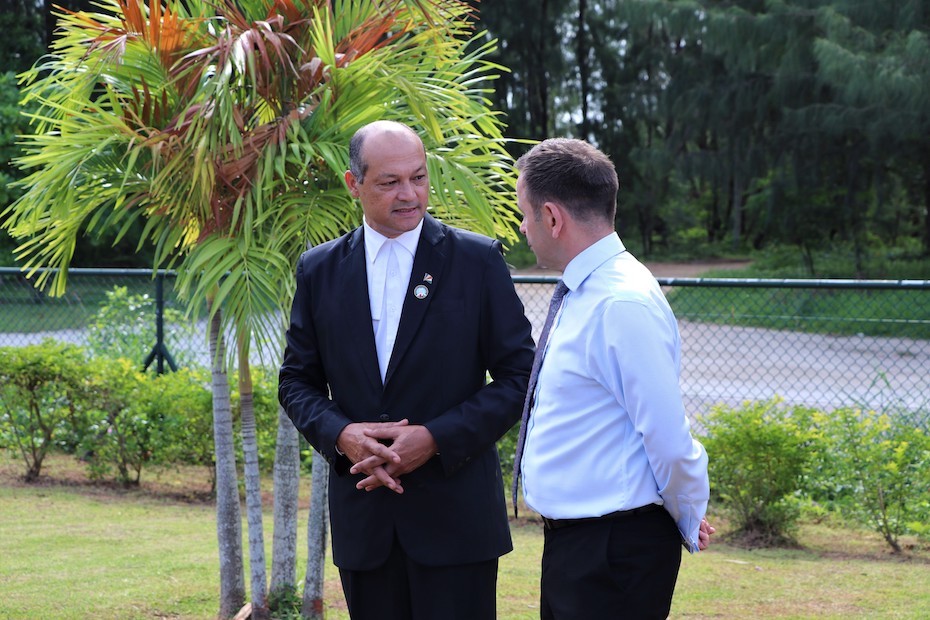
point(69, 550)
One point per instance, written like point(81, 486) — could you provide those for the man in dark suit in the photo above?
point(393, 329)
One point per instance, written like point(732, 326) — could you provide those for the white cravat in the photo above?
point(392, 302)
point(389, 263)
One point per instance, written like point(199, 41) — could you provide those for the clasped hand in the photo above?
point(704, 534)
point(385, 451)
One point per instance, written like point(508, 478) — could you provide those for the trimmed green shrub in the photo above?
point(140, 419)
point(759, 455)
point(121, 436)
point(41, 390)
point(875, 469)
point(182, 401)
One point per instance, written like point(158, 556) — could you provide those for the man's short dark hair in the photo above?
point(572, 173)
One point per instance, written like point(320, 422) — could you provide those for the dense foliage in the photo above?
point(735, 126)
point(116, 418)
point(758, 456)
point(875, 469)
point(41, 391)
point(771, 463)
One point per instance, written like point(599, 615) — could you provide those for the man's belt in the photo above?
point(554, 524)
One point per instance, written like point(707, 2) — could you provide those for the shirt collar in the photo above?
point(374, 240)
point(589, 259)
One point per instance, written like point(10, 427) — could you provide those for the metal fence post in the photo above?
point(159, 352)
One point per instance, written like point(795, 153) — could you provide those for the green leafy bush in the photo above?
point(140, 419)
point(124, 326)
point(875, 469)
point(121, 435)
point(41, 389)
point(182, 401)
point(759, 455)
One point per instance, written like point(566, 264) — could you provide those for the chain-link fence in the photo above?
point(105, 309)
point(822, 343)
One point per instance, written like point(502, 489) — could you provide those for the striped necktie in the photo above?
point(554, 306)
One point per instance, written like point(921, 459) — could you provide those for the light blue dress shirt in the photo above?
point(608, 430)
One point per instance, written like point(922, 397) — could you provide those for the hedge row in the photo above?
point(116, 418)
point(768, 462)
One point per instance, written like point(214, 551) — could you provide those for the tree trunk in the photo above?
point(584, 128)
point(286, 488)
point(312, 606)
point(253, 487)
point(736, 199)
point(228, 516)
point(537, 80)
point(927, 204)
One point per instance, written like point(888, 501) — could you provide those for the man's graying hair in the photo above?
point(358, 166)
point(572, 173)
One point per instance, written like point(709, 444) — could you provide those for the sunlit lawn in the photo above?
point(70, 551)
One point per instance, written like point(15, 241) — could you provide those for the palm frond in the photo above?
point(224, 126)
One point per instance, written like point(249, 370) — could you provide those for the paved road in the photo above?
point(732, 364)
point(727, 364)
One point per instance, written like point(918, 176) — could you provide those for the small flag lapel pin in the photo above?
point(428, 278)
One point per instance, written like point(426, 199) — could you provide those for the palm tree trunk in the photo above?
point(312, 606)
point(253, 490)
point(228, 516)
point(286, 489)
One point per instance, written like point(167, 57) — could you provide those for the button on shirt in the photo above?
point(389, 263)
point(608, 430)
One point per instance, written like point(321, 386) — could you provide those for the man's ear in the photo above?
point(351, 183)
point(554, 217)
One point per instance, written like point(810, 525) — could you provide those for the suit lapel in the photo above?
point(353, 305)
point(427, 272)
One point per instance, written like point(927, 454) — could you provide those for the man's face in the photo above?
point(533, 229)
point(395, 191)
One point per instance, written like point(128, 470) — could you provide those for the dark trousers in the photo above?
point(401, 589)
point(611, 568)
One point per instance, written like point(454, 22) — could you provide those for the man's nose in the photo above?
point(405, 191)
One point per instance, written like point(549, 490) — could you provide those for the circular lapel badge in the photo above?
point(420, 292)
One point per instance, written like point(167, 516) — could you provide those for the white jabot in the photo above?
point(608, 430)
point(389, 263)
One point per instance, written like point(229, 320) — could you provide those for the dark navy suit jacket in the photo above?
point(471, 322)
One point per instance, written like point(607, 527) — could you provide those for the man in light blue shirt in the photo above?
point(609, 460)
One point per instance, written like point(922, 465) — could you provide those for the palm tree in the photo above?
point(224, 127)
